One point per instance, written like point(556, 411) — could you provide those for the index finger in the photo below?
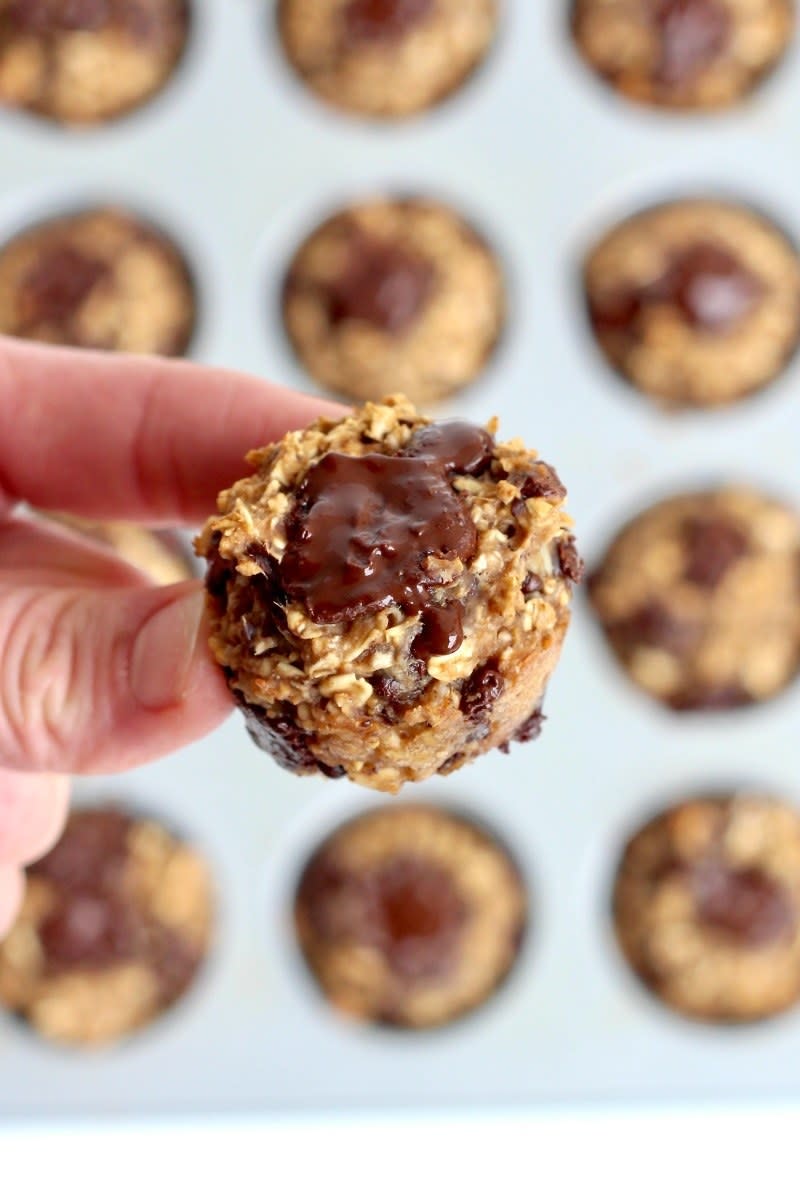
point(130, 438)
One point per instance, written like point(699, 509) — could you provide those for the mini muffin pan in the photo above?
point(240, 162)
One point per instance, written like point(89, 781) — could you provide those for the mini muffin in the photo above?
point(699, 597)
point(707, 907)
point(386, 58)
point(696, 303)
point(99, 279)
point(115, 924)
point(387, 596)
point(683, 54)
point(394, 295)
point(410, 916)
point(158, 554)
point(81, 62)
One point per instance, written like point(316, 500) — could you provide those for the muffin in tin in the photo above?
point(115, 924)
point(707, 906)
point(82, 62)
point(699, 598)
point(695, 302)
point(386, 58)
point(683, 54)
point(388, 596)
point(410, 916)
point(394, 295)
point(101, 279)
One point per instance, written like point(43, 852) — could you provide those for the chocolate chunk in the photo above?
point(92, 928)
point(745, 904)
point(283, 739)
point(219, 574)
point(531, 728)
point(714, 544)
point(709, 697)
point(408, 909)
point(693, 33)
point(484, 686)
point(383, 20)
point(383, 284)
point(656, 625)
point(91, 854)
point(56, 286)
point(615, 312)
point(456, 446)
point(398, 696)
point(442, 631)
point(711, 287)
point(532, 584)
point(361, 533)
point(569, 560)
point(542, 483)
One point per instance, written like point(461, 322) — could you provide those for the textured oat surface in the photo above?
point(115, 923)
point(706, 906)
point(410, 916)
point(386, 58)
point(699, 597)
point(696, 302)
point(101, 279)
point(683, 54)
point(85, 61)
point(394, 295)
point(353, 696)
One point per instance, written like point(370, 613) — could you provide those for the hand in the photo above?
point(98, 671)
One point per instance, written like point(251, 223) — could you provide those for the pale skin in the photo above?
point(99, 671)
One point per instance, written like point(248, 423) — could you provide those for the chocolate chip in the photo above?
point(219, 574)
point(484, 686)
point(442, 631)
point(542, 483)
point(615, 312)
point(653, 624)
point(283, 739)
point(745, 904)
point(532, 584)
point(714, 544)
point(569, 560)
point(399, 696)
point(383, 20)
point(528, 731)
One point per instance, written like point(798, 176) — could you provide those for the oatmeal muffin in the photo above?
point(388, 596)
point(683, 54)
point(699, 597)
point(158, 554)
point(81, 62)
point(115, 923)
point(100, 279)
point(386, 58)
point(394, 294)
point(707, 907)
point(696, 303)
point(410, 916)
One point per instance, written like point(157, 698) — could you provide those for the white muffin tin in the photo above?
point(238, 160)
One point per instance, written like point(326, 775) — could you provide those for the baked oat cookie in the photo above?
point(99, 279)
point(410, 916)
point(699, 597)
point(386, 58)
point(115, 924)
point(158, 554)
point(397, 294)
point(696, 302)
point(81, 62)
point(683, 54)
point(707, 906)
point(387, 596)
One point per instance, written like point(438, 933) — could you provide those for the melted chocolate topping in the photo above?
point(693, 33)
point(56, 286)
point(714, 544)
point(383, 20)
point(709, 285)
point(363, 529)
point(383, 284)
point(442, 631)
point(746, 904)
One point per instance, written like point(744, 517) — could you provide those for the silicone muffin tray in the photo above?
point(238, 161)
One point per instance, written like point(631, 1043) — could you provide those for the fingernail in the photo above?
point(164, 650)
